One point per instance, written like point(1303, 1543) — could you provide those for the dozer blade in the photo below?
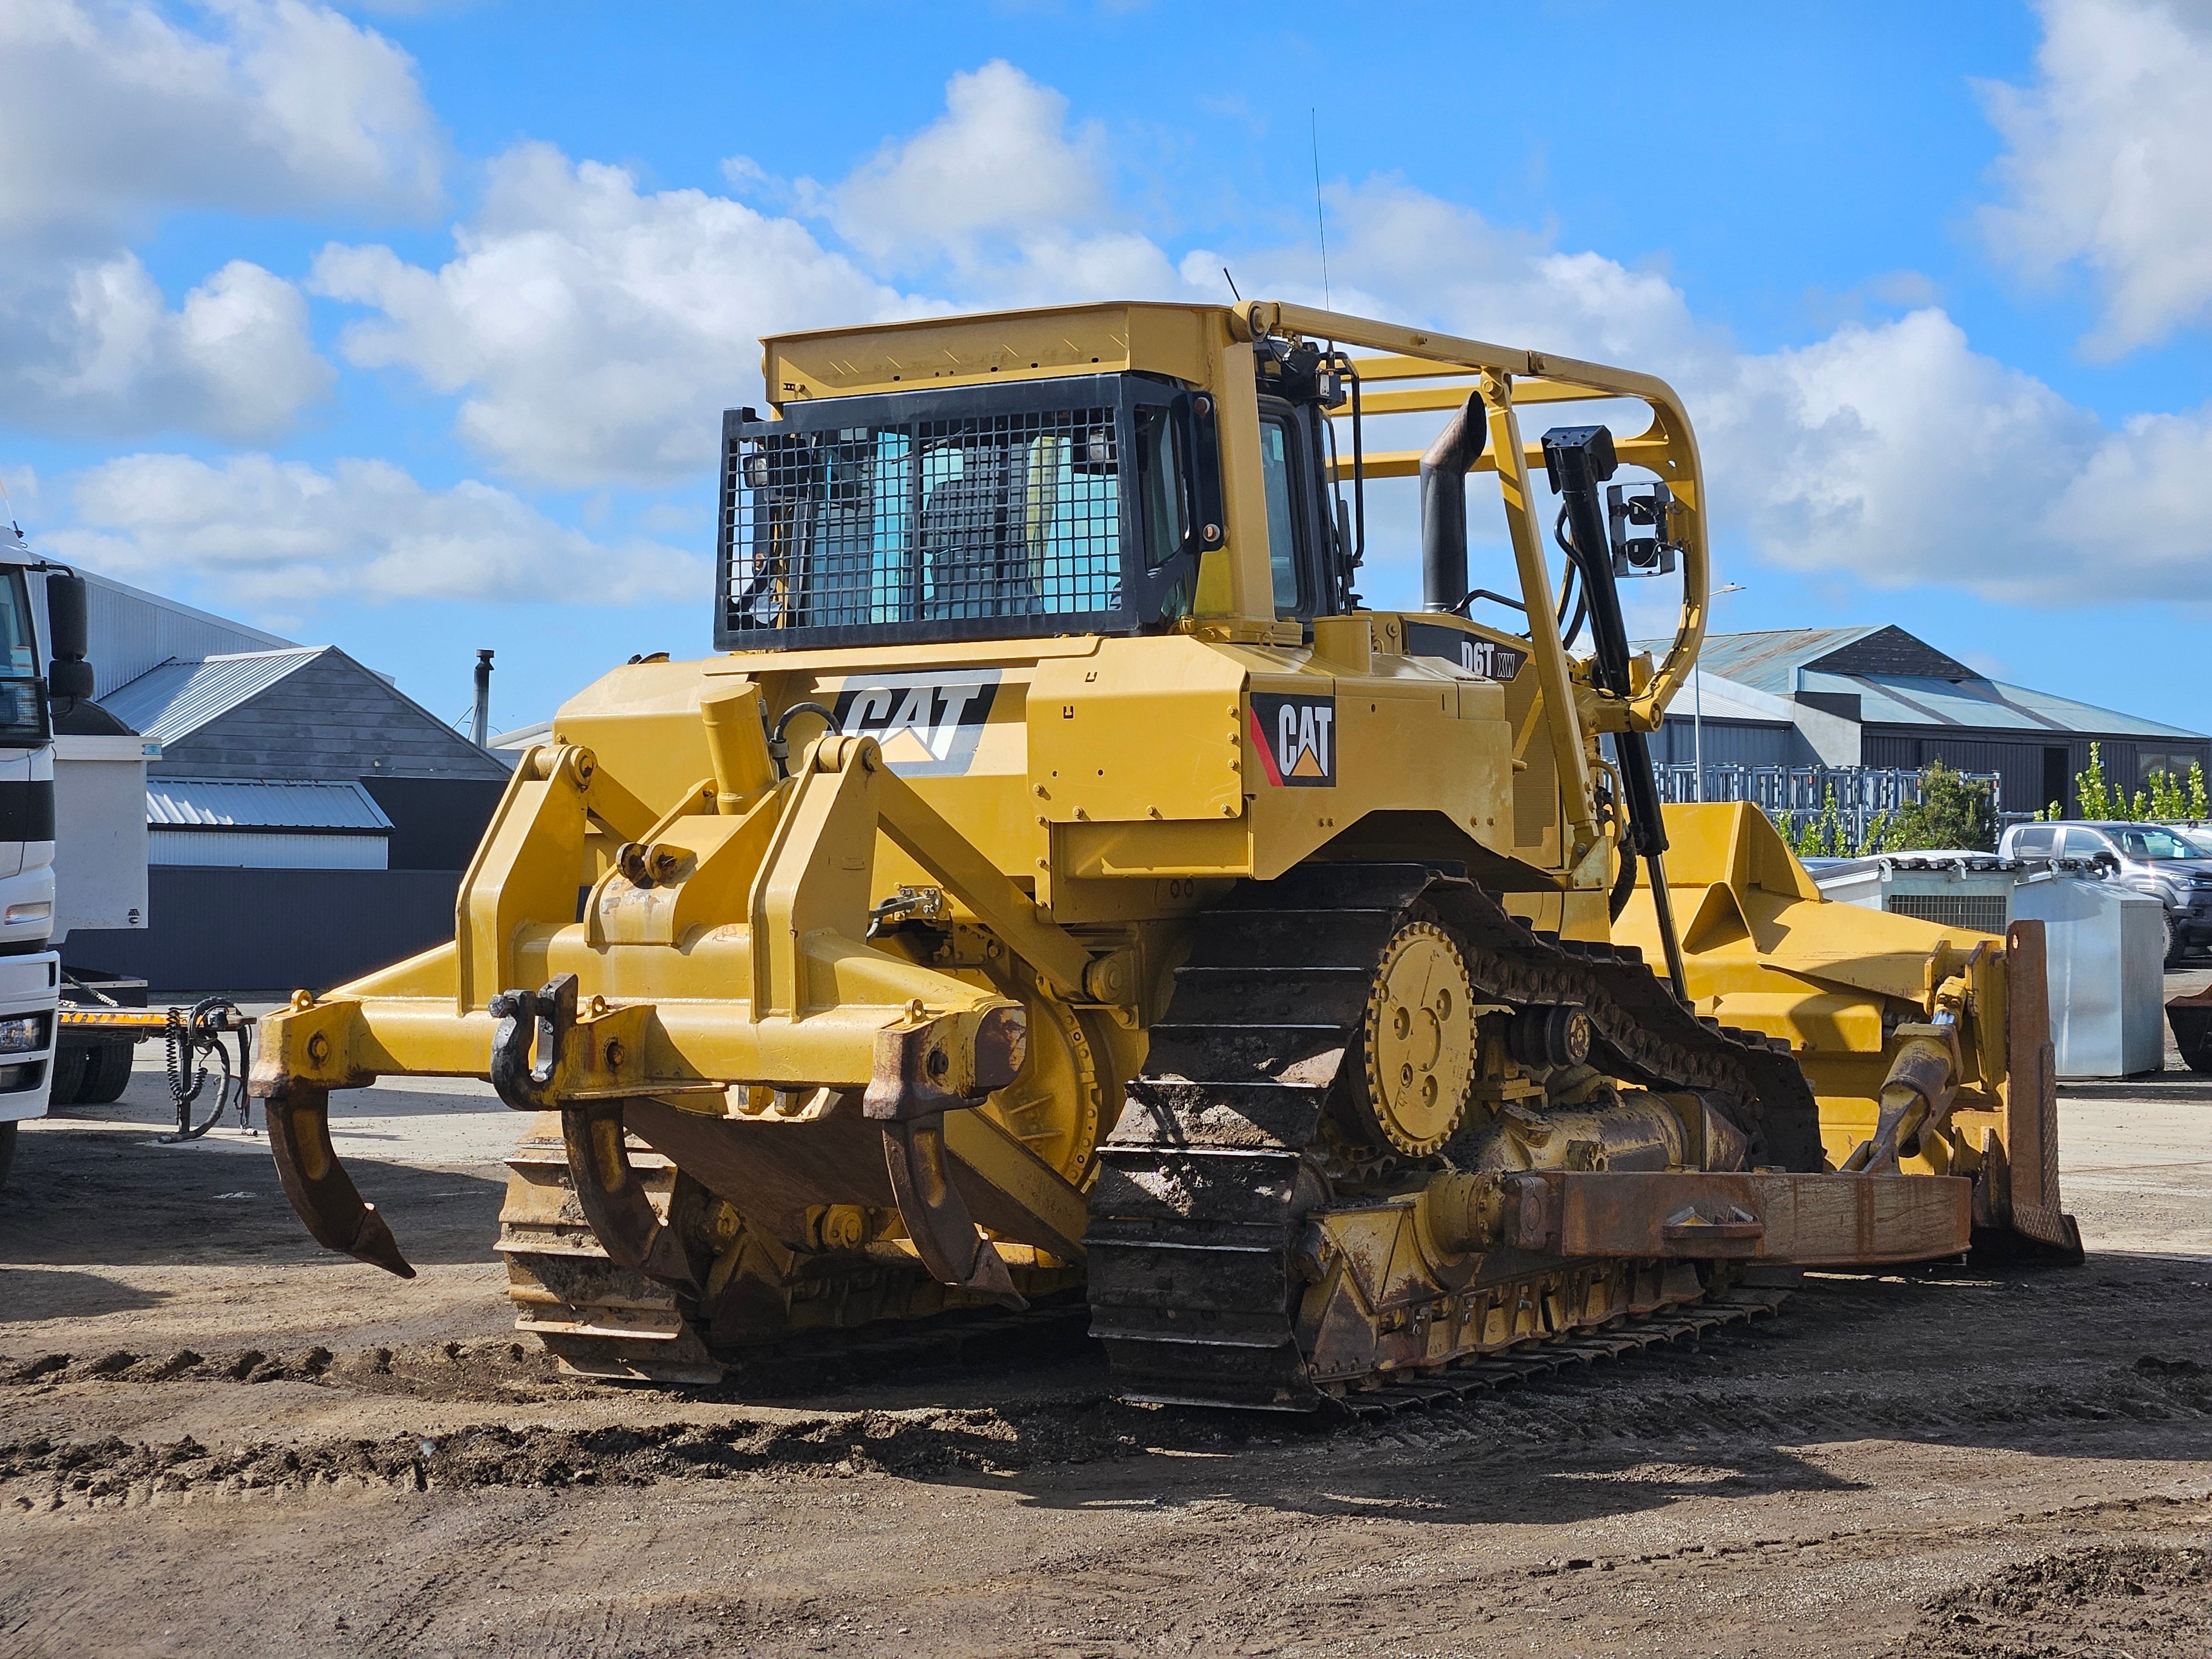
point(322, 1193)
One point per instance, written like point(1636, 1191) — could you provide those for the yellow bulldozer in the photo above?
point(1060, 886)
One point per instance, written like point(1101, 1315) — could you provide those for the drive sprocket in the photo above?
point(1417, 1043)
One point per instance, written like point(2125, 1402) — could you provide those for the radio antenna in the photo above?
point(1313, 115)
point(1231, 280)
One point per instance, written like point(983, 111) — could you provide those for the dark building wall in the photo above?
point(2032, 765)
point(436, 822)
point(273, 930)
point(1728, 743)
point(330, 718)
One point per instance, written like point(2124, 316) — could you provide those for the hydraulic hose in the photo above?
point(1578, 459)
point(191, 1038)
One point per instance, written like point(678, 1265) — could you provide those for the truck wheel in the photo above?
point(106, 1073)
point(7, 1149)
point(70, 1064)
point(2173, 951)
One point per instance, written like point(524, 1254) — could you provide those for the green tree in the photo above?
point(1818, 835)
point(1882, 833)
point(2096, 797)
point(1952, 811)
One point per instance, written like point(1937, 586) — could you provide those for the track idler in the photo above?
point(322, 1193)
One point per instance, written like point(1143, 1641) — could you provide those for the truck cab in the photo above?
point(34, 680)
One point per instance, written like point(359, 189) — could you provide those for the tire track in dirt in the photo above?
point(45, 1472)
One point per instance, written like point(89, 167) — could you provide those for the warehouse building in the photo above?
point(312, 715)
point(1877, 696)
point(131, 631)
point(306, 821)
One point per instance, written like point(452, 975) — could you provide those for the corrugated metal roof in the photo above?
point(1768, 667)
point(1991, 705)
point(177, 698)
point(1728, 700)
point(523, 736)
point(229, 803)
point(1768, 660)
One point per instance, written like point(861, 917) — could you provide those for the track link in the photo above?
point(597, 1320)
point(1203, 1189)
point(1535, 1361)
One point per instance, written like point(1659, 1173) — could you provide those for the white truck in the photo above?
point(30, 966)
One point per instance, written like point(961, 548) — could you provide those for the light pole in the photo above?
point(1697, 703)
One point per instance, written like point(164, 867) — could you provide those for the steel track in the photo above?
point(1202, 1192)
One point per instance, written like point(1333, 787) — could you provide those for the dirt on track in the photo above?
point(215, 1438)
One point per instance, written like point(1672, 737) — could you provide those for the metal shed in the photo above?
point(224, 822)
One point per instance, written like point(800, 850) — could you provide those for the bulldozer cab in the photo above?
point(1121, 470)
point(1010, 509)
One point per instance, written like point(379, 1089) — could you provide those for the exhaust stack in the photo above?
point(1443, 505)
point(480, 719)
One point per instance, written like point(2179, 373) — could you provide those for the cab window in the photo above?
point(1159, 483)
point(1279, 467)
point(2078, 843)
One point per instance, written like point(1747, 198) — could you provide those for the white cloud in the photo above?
point(104, 354)
point(115, 116)
point(596, 332)
point(593, 332)
point(1891, 453)
point(999, 163)
point(2110, 164)
point(280, 532)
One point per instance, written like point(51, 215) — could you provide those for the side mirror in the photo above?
point(68, 676)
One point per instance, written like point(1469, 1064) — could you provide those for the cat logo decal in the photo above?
point(1294, 736)
point(928, 724)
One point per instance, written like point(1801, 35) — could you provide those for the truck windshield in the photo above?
point(2145, 840)
point(22, 710)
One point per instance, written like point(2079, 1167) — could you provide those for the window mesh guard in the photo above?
point(927, 520)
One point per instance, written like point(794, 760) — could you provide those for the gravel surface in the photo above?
point(216, 1439)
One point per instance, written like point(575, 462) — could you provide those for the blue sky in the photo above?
point(406, 327)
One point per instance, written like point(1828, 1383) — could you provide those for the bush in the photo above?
point(2163, 799)
point(1951, 813)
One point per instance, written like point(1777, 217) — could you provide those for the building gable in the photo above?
point(328, 719)
point(1891, 651)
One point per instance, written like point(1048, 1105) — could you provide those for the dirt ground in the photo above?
point(215, 1438)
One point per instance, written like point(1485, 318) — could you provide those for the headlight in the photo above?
point(36, 910)
point(21, 1036)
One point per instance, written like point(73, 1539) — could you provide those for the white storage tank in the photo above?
point(2106, 952)
point(2105, 945)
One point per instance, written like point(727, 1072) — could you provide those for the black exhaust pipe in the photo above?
point(1443, 505)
